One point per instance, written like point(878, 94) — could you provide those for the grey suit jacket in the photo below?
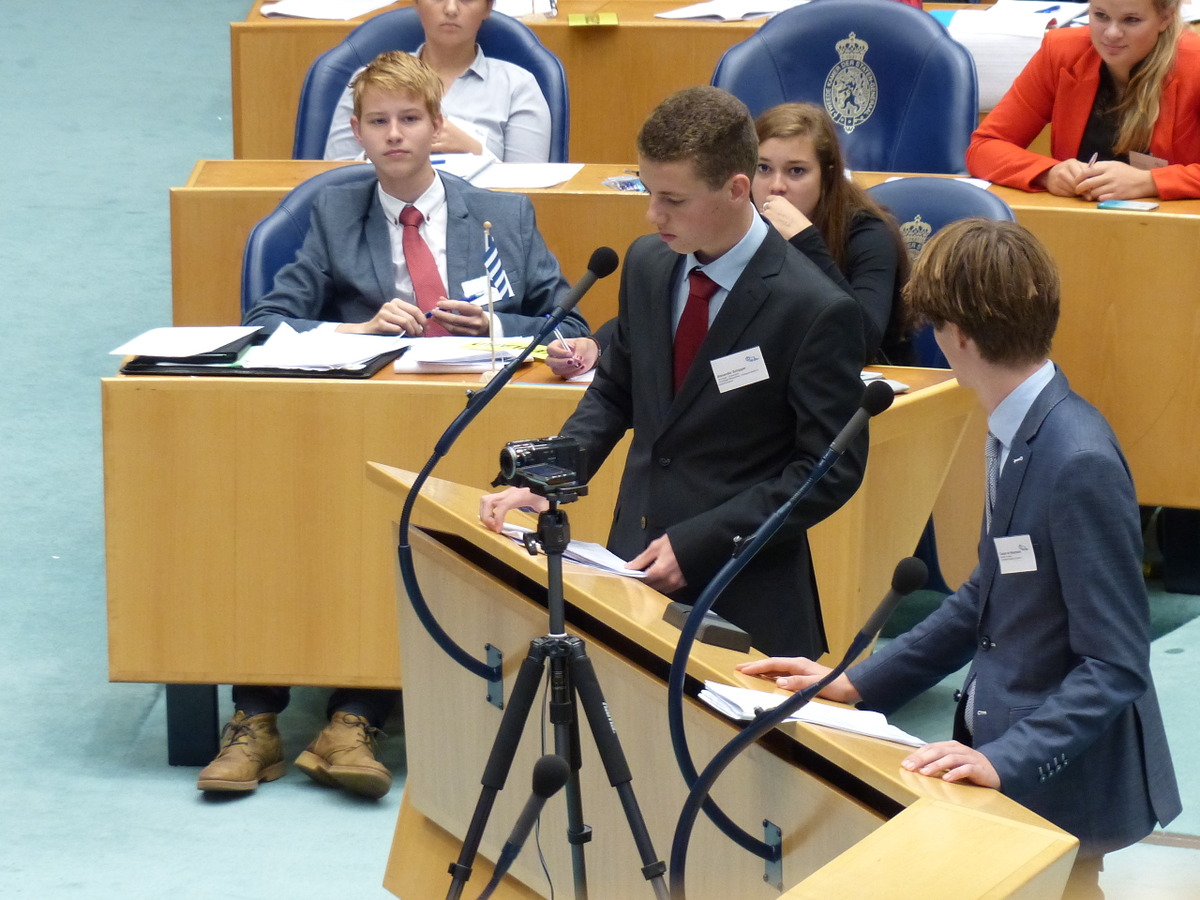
point(705, 466)
point(1065, 703)
point(343, 272)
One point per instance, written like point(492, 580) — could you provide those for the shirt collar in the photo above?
point(478, 66)
point(727, 268)
point(429, 203)
point(1008, 416)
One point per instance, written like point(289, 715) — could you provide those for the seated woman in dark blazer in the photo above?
point(1122, 98)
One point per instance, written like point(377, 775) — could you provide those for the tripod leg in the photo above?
point(604, 732)
point(495, 773)
point(565, 719)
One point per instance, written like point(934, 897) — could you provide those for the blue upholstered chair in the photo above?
point(923, 206)
point(500, 37)
point(901, 90)
point(274, 241)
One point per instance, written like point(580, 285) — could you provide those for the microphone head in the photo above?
point(910, 575)
point(877, 396)
point(550, 774)
point(603, 262)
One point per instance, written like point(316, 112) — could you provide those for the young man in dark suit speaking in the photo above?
point(736, 363)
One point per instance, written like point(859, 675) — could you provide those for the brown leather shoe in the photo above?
point(251, 751)
point(343, 755)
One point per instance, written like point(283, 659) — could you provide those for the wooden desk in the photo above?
point(237, 508)
point(860, 828)
point(270, 57)
point(1130, 321)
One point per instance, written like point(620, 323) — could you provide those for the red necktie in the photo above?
point(693, 324)
point(422, 269)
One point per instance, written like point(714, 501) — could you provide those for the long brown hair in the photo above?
point(841, 200)
point(1138, 110)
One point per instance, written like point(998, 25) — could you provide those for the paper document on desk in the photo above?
point(743, 704)
point(319, 350)
point(520, 176)
point(594, 556)
point(898, 387)
point(339, 10)
point(730, 10)
point(183, 341)
point(444, 355)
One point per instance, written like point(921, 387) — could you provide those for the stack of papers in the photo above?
point(444, 355)
point(319, 350)
point(744, 704)
point(585, 553)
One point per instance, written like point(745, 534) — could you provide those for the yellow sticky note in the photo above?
point(604, 18)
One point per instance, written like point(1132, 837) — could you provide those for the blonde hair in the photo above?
point(995, 281)
point(397, 72)
point(1138, 108)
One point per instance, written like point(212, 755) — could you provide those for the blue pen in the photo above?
point(474, 298)
point(1050, 9)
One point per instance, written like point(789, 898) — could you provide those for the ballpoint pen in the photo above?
point(473, 298)
point(562, 340)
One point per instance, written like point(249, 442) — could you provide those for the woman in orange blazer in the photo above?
point(1129, 82)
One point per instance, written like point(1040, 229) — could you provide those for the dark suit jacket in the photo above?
point(344, 273)
point(1065, 704)
point(705, 467)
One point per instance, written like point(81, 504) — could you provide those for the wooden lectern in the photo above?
point(853, 823)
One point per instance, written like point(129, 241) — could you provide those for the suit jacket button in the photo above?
point(957, 696)
point(985, 643)
point(664, 461)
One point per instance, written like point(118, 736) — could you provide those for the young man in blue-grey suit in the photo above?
point(1058, 710)
point(355, 273)
point(352, 269)
point(720, 444)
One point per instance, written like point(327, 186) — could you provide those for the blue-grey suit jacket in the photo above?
point(343, 272)
point(1065, 708)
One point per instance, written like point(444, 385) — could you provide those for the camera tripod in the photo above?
point(571, 677)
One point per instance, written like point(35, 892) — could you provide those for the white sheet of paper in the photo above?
point(525, 175)
point(586, 553)
point(187, 340)
point(741, 703)
point(339, 10)
point(729, 10)
point(318, 350)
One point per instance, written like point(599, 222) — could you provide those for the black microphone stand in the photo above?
point(571, 678)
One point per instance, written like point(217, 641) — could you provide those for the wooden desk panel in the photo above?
point(255, 519)
point(1129, 324)
point(823, 819)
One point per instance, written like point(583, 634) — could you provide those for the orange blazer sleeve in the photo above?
point(1058, 87)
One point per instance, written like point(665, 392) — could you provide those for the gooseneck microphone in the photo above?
point(603, 262)
point(876, 397)
point(909, 575)
point(549, 775)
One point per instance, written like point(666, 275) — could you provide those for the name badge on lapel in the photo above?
point(739, 369)
point(1015, 553)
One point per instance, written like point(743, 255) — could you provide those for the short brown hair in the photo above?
point(707, 125)
point(995, 281)
point(397, 72)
